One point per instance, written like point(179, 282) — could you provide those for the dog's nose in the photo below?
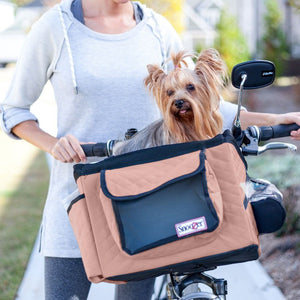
point(179, 103)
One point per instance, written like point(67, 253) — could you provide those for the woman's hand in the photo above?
point(289, 118)
point(295, 135)
point(67, 149)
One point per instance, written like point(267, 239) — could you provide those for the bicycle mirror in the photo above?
point(260, 73)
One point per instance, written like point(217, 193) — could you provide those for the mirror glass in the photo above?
point(260, 73)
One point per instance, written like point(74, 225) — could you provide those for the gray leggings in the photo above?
point(65, 279)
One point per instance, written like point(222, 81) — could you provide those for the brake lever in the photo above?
point(251, 140)
point(276, 145)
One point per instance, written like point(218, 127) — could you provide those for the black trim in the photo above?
point(194, 266)
point(269, 215)
point(246, 201)
point(78, 198)
point(155, 154)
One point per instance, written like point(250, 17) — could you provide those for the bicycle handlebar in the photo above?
point(266, 133)
point(263, 133)
point(98, 149)
point(278, 131)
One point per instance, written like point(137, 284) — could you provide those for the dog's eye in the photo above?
point(190, 87)
point(170, 93)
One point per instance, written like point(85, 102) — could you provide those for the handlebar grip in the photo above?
point(277, 131)
point(98, 149)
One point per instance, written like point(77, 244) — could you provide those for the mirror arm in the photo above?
point(237, 122)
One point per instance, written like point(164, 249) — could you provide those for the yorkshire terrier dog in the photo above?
point(188, 100)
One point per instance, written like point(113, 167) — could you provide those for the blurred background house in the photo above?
point(15, 23)
point(202, 16)
point(7, 14)
point(253, 29)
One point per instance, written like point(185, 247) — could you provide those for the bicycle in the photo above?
point(248, 75)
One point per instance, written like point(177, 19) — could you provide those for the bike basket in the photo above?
point(174, 208)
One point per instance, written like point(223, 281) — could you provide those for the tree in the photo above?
point(230, 41)
point(274, 45)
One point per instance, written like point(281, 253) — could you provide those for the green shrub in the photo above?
point(274, 45)
point(230, 41)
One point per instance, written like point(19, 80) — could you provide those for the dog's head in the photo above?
point(189, 99)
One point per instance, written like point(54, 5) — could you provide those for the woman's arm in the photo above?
point(64, 149)
point(34, 67)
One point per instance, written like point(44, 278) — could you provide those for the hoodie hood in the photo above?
point(67, 18)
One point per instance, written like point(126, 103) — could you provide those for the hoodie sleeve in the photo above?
point(33, 69)
point(229, 111)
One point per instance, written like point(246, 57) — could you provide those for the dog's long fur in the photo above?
point(188, 100)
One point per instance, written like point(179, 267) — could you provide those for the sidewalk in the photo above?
point(246, 281)
point(32, 285)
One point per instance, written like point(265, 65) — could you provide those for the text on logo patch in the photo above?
point(267, 73)
point(190, 226)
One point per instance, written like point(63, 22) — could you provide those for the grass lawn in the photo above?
point(20, 216)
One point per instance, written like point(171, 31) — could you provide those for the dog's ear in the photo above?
point(155, 77)
point(209, 63)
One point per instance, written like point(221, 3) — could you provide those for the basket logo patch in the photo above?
point(190, 226)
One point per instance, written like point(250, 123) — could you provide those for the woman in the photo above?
point(95, 54)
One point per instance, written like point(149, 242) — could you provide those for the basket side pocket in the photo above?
point(80, 221)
